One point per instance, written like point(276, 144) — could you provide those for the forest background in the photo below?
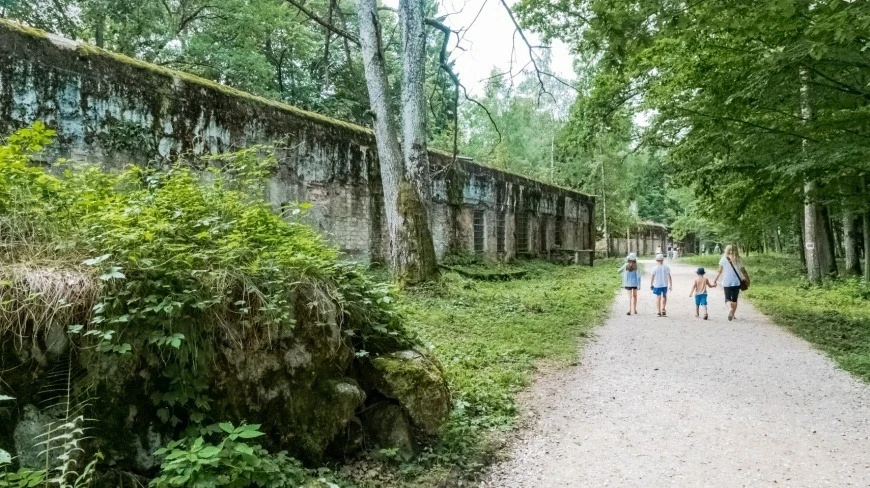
point(730, 121)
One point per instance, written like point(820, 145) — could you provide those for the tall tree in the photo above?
point(412, 252)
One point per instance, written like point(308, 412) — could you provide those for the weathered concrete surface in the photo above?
point(680, 401)
point(114, 110)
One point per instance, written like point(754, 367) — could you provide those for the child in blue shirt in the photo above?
point(631, 281)
point(660, 283)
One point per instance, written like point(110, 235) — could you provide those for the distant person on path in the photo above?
point(631, 281)
point(660, 283)
point(670, 252)
point(676, 253)
point(699, 289)
point(731, 266)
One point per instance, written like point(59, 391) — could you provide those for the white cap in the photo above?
point(660, 257)
point(631, 256)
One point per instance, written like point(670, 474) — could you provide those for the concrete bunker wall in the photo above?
point(115, 110)
point(645, 239)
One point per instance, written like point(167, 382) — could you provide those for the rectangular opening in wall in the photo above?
point(479, 230)
point(499, 233)
point(543, 235)
point(522, 230)
point(557, 232)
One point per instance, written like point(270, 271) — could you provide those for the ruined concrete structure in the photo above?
point(114, 110)
point(645, 239)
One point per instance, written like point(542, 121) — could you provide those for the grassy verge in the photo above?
point(835, 317)
point(490, 337)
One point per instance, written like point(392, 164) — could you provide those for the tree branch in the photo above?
point(445, 66)
point(328, 25)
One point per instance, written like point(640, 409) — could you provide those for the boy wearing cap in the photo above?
point(660, 283)
point(699, 289)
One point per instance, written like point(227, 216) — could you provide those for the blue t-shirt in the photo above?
point(630, 278)
point(660, 275)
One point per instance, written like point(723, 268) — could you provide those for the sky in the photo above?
point(488, 41)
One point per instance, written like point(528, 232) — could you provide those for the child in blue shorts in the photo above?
point(660, 283)
point(699, 289)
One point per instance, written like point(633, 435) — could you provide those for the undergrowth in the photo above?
point(491, 337)
point(834, 316)
point(156, 267)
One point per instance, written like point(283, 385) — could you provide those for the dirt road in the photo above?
point(679, 401)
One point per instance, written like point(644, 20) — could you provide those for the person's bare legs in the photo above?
point(659, 304)
point(634, 301)
point(629, 301)
point(697, 311)
point(733, 309)
point(664, 303)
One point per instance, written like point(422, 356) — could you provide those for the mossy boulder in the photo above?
point(416, 381)
point(387, 426)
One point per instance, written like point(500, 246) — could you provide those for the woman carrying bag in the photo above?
point(735, 277)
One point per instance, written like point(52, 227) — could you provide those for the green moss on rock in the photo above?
point(417, 383)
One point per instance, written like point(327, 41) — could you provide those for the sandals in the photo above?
point(664, 314)
point(659, 314)
point(705, 316)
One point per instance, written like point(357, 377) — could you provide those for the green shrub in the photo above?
point(173, 260)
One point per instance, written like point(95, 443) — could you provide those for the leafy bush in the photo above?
point(176, 261)
point(231, 462)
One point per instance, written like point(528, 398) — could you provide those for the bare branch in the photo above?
point(539, 73)
point(445, 66)
point(328, 25)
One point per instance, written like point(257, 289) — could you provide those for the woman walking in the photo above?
point(731, 266)
point(631, 281)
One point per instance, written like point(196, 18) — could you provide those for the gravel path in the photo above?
point(680, 401)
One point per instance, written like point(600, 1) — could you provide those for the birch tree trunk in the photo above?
point(412, 253)
point(816, 242)
point(777, 241)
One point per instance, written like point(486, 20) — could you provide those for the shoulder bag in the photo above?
point(744, 284)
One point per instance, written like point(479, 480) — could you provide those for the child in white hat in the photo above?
point(631, 281)
point(660, 283)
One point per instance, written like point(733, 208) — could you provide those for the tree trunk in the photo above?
point(816, 242)
point(412, 253)
point(850, 243)
point(411, 19)
point(828, 260)
point(802, 252)
point(777, 241)
point(867, 245)
point(100, 32)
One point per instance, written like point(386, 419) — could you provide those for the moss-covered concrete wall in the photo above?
point(115, 110)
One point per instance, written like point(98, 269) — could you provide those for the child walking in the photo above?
point(631, 281)
point(699, 289)
point(660, 283)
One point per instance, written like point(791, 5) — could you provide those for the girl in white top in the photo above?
point(732, 271)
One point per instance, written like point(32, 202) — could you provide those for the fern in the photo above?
point(61, 442)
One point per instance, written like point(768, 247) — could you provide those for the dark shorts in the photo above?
point(732, 293)
point(631, 288)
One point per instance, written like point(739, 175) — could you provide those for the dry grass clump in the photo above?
point(36, 298)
